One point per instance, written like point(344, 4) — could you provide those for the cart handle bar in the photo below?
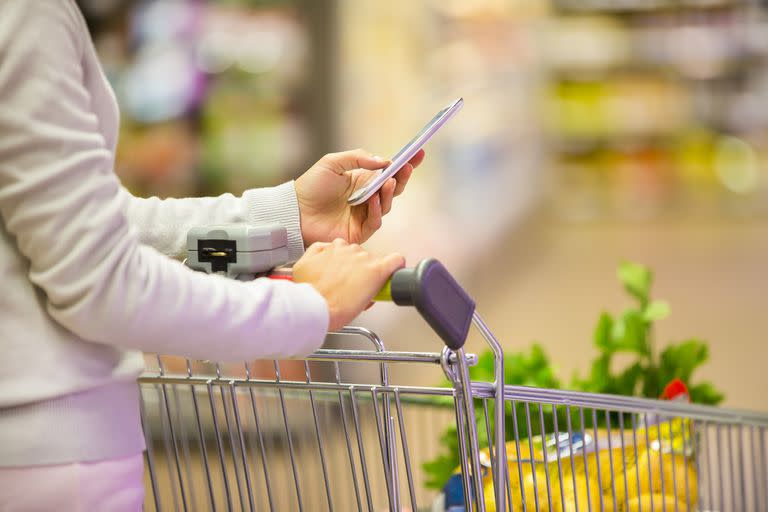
point(435, 294)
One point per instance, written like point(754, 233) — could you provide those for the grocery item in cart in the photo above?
point(644, 466)
point(649, 468)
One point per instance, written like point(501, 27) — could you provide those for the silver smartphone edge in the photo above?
point(361, 195)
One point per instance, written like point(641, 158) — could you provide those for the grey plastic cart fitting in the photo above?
point(237, 250)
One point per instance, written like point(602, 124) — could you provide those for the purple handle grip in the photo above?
point(438, 298)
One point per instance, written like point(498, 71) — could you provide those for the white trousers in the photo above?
point(107, 486)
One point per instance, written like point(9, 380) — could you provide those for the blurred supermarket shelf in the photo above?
point(216, 96)
point(658, 115)
point(634, 7)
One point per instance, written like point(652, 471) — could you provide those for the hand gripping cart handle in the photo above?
point(244, 252)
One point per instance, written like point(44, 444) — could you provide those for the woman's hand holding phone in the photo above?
point(324, 190)
point(344, 195)
point(343, 198)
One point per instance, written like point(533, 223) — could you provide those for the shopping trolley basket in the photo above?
point(348, 429)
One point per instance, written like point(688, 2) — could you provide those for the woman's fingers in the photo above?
point(317, 247)
point(355, 159)
point(373, 219)
point(344, 161)
point(380, 203)
point(392, 262)
point(417, 158)
point(401, 178)
point(404, 174)
point(387, 193)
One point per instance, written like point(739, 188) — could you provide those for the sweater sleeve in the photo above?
point(163, 223)
point(62, 202)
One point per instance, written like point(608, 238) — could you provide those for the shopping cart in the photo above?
point(347, 429)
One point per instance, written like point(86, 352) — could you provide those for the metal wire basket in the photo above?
point(342, 434)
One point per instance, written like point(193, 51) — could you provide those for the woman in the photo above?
point(87, 283)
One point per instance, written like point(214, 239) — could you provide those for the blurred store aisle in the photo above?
point(640, 128)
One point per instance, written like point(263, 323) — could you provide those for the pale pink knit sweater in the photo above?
point(85, 278)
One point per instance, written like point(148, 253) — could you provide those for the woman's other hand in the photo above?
point(346, 275)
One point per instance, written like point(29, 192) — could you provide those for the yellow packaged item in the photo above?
point(655, 468)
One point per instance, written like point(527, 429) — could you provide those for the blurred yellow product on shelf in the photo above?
point(658, 471)
point(625, 107)
point(575, 110)
point(693, 154)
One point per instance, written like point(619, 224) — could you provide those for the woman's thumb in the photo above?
point(354, 159)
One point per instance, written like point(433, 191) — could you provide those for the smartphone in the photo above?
point(364, 193)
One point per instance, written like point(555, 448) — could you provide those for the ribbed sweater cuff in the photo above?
point(277, 204)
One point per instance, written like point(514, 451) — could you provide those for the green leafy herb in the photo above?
point(637, 280)
point(646, 374)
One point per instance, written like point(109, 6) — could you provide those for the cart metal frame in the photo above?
point(225, 437)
